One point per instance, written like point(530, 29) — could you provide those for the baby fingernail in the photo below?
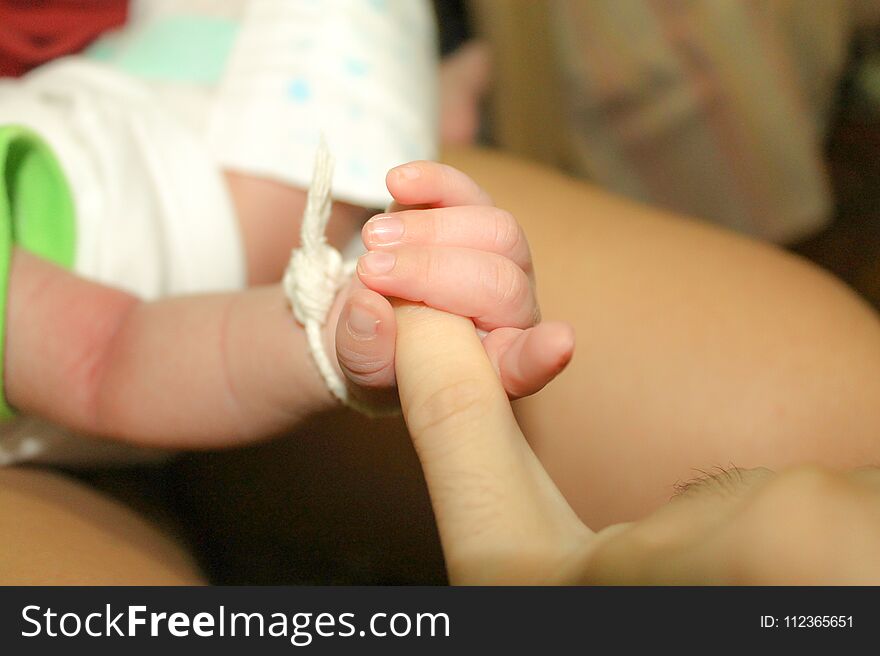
point(384, 229)
point(408, 171)
point(374, 263)
point(362, 323)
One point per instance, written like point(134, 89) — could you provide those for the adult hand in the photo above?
point(503, 521)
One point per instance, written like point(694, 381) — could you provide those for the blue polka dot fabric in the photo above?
point(361, 72)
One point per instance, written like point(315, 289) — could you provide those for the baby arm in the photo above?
point(269, 214)
point(199, 371)
point(222, 369)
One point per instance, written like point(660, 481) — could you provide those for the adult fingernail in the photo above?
point(362, 323)
point(375, 263)
point(384, 229)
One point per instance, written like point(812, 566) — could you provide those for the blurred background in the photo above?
point(759, 115)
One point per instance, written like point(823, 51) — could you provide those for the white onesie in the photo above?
point(145, 122)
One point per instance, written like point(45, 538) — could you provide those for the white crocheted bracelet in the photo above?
point(315, 274)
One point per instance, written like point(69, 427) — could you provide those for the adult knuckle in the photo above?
point(453, 403)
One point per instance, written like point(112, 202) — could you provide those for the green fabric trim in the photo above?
point(36, 213)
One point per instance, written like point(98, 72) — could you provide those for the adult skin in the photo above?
point(696, 348)
point(503, 521)
point(57, 531)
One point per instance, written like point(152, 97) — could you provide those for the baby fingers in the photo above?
point(429, 184)
point(478, 227)
point(526, 360)
point(487, 287)
point(365, 337)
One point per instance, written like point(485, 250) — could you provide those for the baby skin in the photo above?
point(226, 369)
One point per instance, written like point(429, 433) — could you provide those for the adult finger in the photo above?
point(501, 519)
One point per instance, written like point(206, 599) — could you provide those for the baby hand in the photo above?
point(444, 244)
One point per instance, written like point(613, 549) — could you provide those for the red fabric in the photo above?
point(34, 31)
